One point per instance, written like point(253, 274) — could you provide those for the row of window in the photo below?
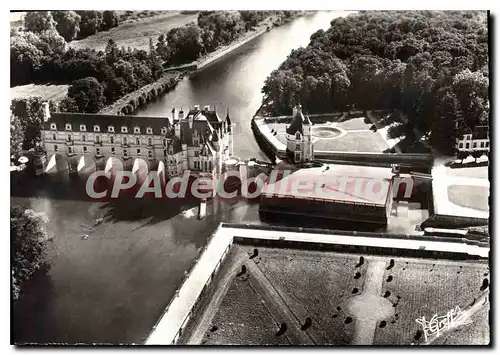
point(113, 151)
point(111, 129)
point(203, 165)
point(111, 139)
point(474, 145)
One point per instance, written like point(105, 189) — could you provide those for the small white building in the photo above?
point(474, 140)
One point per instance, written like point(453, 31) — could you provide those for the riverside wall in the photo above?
point(132, 101)
point(416, 160)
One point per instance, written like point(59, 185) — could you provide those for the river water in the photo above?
point(109, 283)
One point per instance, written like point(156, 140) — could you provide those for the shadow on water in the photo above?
point(317, 222)
point(136, 209)
point(32, 310)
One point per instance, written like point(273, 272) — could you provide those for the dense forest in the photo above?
point(39, 52)
point(430, 65)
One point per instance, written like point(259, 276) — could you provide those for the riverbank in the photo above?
point(263, 27)
point(132, 101)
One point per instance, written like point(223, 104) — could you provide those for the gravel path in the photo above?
point(370, 307)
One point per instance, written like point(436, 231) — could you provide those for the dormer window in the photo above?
point(149, 130)
point(297, 135)
point(124, 129)
point(137, 130)
point(53, 126)
point(97, 128)
point(111, 129)
point(68, 126)
point(83, 128)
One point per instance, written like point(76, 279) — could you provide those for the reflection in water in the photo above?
point(112, 285)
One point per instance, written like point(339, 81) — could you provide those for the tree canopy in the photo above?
point(28, 245)
point(421, 63)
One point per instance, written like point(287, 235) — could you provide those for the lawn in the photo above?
point(136, 34)
point(315, 284)
point(360, 141)
point(475, 197)
point(358, 137)
point(420, 287)
point(46, 92)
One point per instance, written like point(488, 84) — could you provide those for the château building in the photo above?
point(299, 144)
point(199, 140)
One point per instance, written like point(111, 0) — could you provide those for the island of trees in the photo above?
point(431, 66)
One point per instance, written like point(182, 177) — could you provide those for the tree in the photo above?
point(16, 135)
point(112, 52)
point(162, 49)
point(477, 154)
point(30, 112)
point(110, 19)
point(25, 58)
point(115, 89)
point(443, 133)
point(462, 155)
point(28, 245)
point(39, 21)
point(471, 89)
point(91, 22)
point(54, 41)
point(186, 43)
point(68, 104)
point(68, 24)
point(88, 94)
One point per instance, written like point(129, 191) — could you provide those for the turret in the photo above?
point(215, 140)
point(46, 111)
point(228, 121)
point(190, 118)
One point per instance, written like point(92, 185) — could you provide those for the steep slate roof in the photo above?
point(103, 121)
point(228, 121)
point(207, 149)
point(296, 125)
point(481, 132)
point(175, 143)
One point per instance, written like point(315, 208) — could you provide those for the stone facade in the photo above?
point(199, 140)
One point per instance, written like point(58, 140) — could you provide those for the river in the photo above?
point(112, 285)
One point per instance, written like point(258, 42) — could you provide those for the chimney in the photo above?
point(181, 114)
point(173, 113)
point(207, 108)
point(196, 107)
point(299, 108)
point(294, 111)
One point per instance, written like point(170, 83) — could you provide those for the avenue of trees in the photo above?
point(28, 245)
point(430, 65)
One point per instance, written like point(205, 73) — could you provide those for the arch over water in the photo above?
point(57, 163)
point(114, 164)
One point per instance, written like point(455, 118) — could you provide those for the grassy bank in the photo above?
point(136, 34)
point(46, 92)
